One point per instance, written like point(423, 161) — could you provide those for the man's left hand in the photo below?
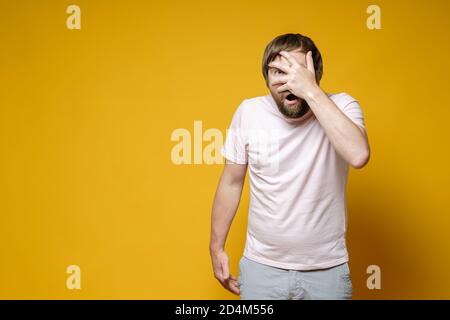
point(297, 79)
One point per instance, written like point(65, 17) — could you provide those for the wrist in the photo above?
point(214, 249)
point(314, 93)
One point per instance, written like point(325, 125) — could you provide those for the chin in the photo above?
point(301, 110)
point(290, 105)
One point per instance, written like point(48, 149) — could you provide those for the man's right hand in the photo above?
point(221, 271)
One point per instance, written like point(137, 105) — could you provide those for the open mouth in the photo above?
point(291, 99)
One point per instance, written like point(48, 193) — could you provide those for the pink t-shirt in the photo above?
point(297, 215)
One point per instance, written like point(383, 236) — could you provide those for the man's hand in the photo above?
point(298, 79)
point(221, 271)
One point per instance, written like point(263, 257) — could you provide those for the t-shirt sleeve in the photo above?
point(351, 108)
point(235, 146)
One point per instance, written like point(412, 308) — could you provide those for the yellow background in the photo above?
point(87, 115)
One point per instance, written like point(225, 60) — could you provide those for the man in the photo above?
point(297, 143)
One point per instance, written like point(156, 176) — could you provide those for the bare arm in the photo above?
point(226, 203)
point(348, 138)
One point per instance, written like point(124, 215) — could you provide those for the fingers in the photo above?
point(281, 66)
point(283, 88)
point(289, 58)
point(279, 79)
point(234, 288)
point(310, 62)
point(232, 285)
point(285, 61)
point(222, 273)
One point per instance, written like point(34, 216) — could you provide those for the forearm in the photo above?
point(347, 138)
point(226, 202)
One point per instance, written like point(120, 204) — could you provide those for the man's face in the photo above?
point(288, 104)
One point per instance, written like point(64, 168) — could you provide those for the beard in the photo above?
point(295, 110)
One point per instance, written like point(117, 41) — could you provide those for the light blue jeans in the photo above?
point(259, 281)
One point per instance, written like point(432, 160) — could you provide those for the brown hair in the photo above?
point(288, 42)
